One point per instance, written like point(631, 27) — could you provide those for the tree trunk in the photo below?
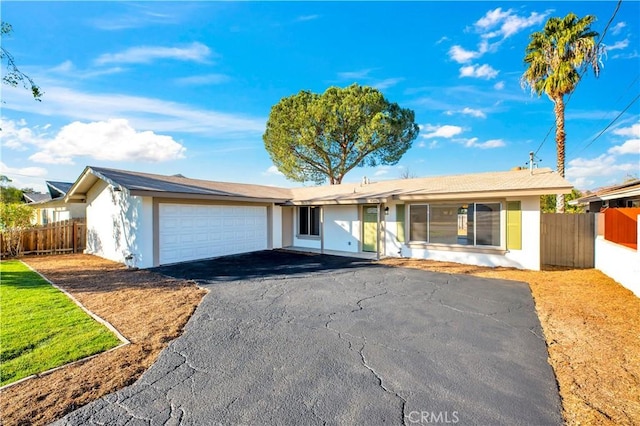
point(560, 139)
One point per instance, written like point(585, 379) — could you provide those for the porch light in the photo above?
point(386, 211)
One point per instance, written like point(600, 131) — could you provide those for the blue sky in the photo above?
point(168, 87)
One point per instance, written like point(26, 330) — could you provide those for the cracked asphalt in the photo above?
point(286, 338)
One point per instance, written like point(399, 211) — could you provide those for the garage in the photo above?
point(192, 231)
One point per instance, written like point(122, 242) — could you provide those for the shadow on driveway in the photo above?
point(274, 264)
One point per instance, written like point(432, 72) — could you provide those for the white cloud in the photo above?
point(36, 172)
point(582, 171)
point(381, 171)
point(442, 40)
point(25, 177)
point(492, 143)
point(196, 52)
point(633, 131)
point(15, 135)
point(496, 23)
point(479, 71)
point(473, 143)
point(514, 24)
point(499, 85)
point(618, 45)
point(305, 18)
point(491, 19)
point(386, 83)
point(272, 171)
point(474, 112)
point(632, 55)
point(461, 55)
point(112, 140)
point(354, 75)
point(446, 131)
point(142, 112)
point(68, 68)
point(433, 144)
point(203, 80)
point(632, 146)
point(468, 111)
point(617, 28)
point(506, 23)
point(138, 15)
point(64, 67)
point(365, 76)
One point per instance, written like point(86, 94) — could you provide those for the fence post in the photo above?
point(74, 235)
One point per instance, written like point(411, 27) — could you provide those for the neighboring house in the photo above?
point(145, 220)
point(50, 207)
point(625, 195)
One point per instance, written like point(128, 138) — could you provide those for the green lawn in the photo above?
point(40, 327)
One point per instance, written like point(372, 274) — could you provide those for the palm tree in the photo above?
point(557, 57)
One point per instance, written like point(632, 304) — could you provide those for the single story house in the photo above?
point(50, 207)
point(625, 195)
point(146, 220)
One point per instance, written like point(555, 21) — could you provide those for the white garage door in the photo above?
point(190, 231)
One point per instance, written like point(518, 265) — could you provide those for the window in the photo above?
point(471, 224)
point(309, 221)
point(418, 223)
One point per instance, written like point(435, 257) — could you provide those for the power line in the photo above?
point(606, 28)
point(610, 124)
point(545, 139)
point(610, 22)
point(604, 115)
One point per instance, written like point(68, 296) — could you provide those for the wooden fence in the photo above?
point(568, 239)
point(69, 236)
point(621, 226)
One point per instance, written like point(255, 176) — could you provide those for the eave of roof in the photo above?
point(147, 184)
point(58, 187)
point(621, 193)
point(36, 197)
point(481, 185)
point(166, 195)
point(612, 192)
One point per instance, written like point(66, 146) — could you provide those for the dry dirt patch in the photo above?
point(150, 310)
point(592, 328)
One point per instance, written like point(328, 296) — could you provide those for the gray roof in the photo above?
point(490, 184)
point(36, 197)
point(493, 184)
point(159, 185)
point(58, 189)
point(627, 189)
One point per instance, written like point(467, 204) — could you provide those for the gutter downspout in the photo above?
point(322, 230)
point(378, 231)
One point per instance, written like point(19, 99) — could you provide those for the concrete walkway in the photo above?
point(286, 338)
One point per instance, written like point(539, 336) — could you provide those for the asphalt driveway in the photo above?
point(287, 338)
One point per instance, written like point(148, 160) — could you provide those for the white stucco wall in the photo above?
point(58, 210)
point(527, 258)
point(305, 242)
point(619, 262)
point(341, 228)
point(119, 225)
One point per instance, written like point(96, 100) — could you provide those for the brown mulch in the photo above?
point(592, 328)
point(150, 310)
